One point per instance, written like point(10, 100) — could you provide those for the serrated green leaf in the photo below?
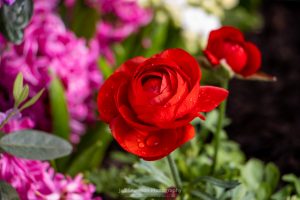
point(59, 109)
point(7, 192)
point(18, 86)
point(218, 182)
point(32, 101)
point(23, 96)
point(36, 145)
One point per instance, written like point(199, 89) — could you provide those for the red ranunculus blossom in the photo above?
point(228, 43)
point(149, 102)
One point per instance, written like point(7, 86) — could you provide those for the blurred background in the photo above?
point(265, 116)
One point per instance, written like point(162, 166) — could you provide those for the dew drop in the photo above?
point(141, 145)
point(152, 141)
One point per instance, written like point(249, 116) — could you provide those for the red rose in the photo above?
point(228, 43)
point(149, 102)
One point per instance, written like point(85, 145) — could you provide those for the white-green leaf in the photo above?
point(18, 86)
point(32, 100)
point(7, 192)
point(35, 145)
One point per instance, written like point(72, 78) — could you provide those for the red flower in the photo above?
point(149, 102)
point(228, 43)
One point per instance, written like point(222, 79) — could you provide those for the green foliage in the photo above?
point(36, 145)
point(91, 150)
point(59, 109)
point(7, 192)
point(14, 18)
point(108, 181)
point(32, 101)
point(105, 68)
point(18, 86)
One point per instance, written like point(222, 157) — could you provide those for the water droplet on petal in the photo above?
point(141, 145)
point(152, 141)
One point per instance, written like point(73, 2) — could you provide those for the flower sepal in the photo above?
point(259, 76)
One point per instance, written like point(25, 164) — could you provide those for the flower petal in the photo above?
point(149, 145)
point(210, 97)
point(185, 61)
point(131, 65)
point(227, 33)
point(105, 100)
point(254, 59)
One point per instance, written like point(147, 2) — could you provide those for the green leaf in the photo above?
point(291, 178)
point(14, 18)
point(105, 68)
point(272, 175)
point(153, 171)
point(23, 96)
point(218, 182)
point(202, 195)
point(159, 37)
point(18, 86)
point(32, 100)
point(35, 145)
point(284, 193)
point(252, 173)
point(59, 109)
point(92, 156)
point(7, 192)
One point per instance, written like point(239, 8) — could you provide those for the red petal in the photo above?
point(210, 97)
point(150, 145)
point(189, 133)
point(211, 58)
point(254, 59)
point(131, 65)
point(235, 55)
point(106, 103)
point(216, 40)
point(126, 111)
point(185, 61)
point(226, 33)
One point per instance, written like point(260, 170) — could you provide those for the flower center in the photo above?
point(152, 84)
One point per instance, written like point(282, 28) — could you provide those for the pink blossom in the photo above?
point(129, 17)
point(38, 180)
point(35, 179)
point(49, 47)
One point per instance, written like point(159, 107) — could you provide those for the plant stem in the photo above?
point(174, 171)
point(7, 118)
point(217, 138)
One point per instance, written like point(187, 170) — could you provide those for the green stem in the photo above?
point(174, 171)
point(217, 138)
point(7, 119)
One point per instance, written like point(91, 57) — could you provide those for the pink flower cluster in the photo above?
point(38, 180)
point(128, 18)
point(7, 2)
point(49, 48)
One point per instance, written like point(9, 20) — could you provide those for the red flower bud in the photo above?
point(228, 43)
